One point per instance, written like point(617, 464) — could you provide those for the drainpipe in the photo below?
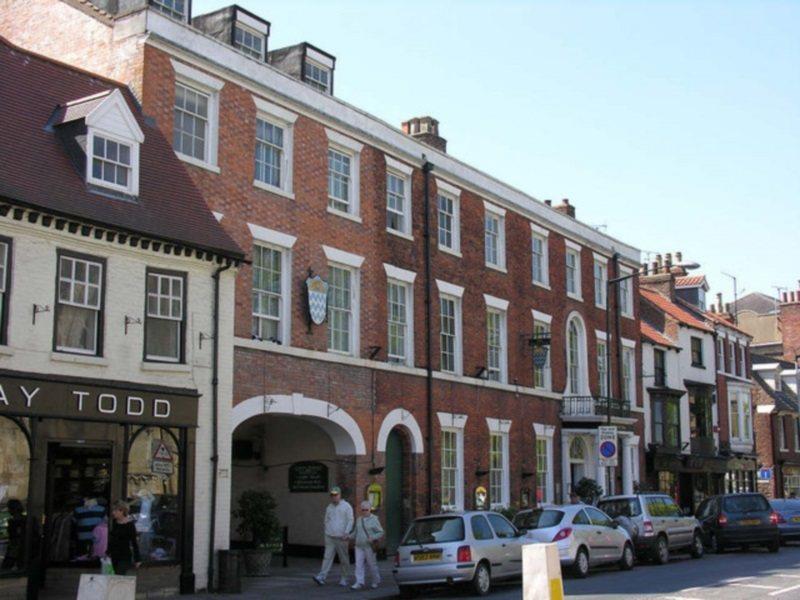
point(214, 425)
point(426, 236)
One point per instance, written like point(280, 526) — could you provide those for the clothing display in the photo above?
point(60, 537)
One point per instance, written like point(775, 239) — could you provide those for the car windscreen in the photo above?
point(435, 531)
point(538, 519)
point(620, 507)
point(743, 504)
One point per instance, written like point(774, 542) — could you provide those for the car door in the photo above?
point(605, 542)
point(706, 515)
point(585, 535)
point(510, 545)
point(680, 527)
point(485, 543)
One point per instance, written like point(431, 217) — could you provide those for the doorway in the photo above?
point(77, 500)
point(395, 475)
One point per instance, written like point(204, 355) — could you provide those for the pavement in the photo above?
point(737, 575)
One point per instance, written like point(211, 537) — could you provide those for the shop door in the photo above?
point(394, 490)
point(77, 501)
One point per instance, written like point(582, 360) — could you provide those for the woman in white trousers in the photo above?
point(367, 532)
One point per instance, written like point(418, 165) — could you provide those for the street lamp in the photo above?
point(686, 266)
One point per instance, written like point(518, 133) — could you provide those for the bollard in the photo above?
point(541, 572)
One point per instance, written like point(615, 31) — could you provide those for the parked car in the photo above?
point(585, 536)
point(657, 523)
point(474, 547)
point(788, 511)
point(738, 520)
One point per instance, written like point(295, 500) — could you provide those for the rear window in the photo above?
point(741, 504)
point(621, 507)
point(538, 519)
point(435, 531)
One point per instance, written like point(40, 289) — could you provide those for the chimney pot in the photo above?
point(644, 268)
point(548, 202)
point(785, 297)
point(668, 260)
point(679, 257)
point(565, 208)
point(654, 267)
point(658, 260)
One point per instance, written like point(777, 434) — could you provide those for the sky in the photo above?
point(672, 126)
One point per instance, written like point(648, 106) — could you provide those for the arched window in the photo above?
point(577, 378)
point(153, 492)
point(577, 450)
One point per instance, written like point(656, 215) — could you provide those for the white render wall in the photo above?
point(30, 346)
point(674, 381)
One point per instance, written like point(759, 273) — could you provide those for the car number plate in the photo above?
point(750, 522)
point(795, 519)
point(425, 556)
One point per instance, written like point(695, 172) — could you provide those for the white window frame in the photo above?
point(499, 307)
point(499, 214)
point(546, 433)
point(279, 117)
point(248, 50)
point(720, 355)
point(573, 249)
point(97, 308)
point(133, 168)
point(742, 361)
point(629, 349)
point(347, 146)
point(540, 234)
point(602, 360)
point(316, 83)
point(404, 278)
point(203, 83)
point(284, 243)
point(454, 293)
point(730, 367)
point(169, 11)
point(172, 277)
point(626, 301)
point(402, 171)
point(455, 423)
point(453, 194)
point(547, 321)
point(784, 445)
point(351, 262)
point(583, 357)
point(501, 428)
point(601, 263)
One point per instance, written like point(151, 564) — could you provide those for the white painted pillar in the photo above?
point(566, 474)
point(627, 464)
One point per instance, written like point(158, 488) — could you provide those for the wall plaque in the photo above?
point(308, 476)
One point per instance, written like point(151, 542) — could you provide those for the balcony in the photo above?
point(594, 406)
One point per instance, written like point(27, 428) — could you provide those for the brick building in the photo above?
point(112, 271)
point(419, 386)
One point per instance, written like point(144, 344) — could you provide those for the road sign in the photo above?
point(607, 446)
point(765, 474)
point(162, 458)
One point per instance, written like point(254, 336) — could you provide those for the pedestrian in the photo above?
point(123, 549)
point(15, 526)
point(338, 525)
point(367, 533)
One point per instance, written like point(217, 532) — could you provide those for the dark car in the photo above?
point(738, 520)
point(788, 512)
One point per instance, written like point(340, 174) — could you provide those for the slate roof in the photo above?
point(761, 304)
point(36, 170)
point(785, 399)
point(677, 312)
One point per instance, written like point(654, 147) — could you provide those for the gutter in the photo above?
point(214, 426)
point(426, 236)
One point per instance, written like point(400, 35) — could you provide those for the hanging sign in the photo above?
point(317, 299)
point(607, 445)
point(375, 495)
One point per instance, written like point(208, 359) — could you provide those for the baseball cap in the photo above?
point(336, 491)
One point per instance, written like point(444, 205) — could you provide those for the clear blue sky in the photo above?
point(674, 124)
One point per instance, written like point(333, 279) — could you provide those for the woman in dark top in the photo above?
point(122, 546)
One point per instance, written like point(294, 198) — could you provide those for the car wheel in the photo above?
point(407, 591)
point(774, 546)
point(661, 552)
point(580, 568)
point(717, 547)
point(482, 581)
point(626, 561)
point(697, 550)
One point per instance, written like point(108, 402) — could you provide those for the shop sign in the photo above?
point(308, 476)
point(607, 445)
point(24, 394)
point(162, 458)
point(480, 498)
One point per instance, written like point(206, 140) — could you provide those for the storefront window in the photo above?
point(14, 469)
point(153, 492)
point(666, 483)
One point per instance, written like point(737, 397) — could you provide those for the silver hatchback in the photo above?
point(475, 547)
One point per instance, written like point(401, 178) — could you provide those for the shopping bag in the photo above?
point(106, 566)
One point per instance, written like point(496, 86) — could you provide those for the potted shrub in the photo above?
point(257, 520)
point(588, 490)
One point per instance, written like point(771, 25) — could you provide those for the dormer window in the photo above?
point(111, 163)
point(248, 41)
point(318, 76)
point(172, 8)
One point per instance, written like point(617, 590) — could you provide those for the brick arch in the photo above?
point(335, 421)
point(402, 418)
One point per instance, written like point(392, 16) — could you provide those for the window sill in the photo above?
point(6, 351)
point(79, 359)
point(198, 163)
point(577, 297)
point(600, 306)
point(627, 316)
point(450, 251)
point(698, 366)
point(272, 189)
point(400, 234)
point(166, 367)
point(496, 268)
point(544, 286)
point(344, 215)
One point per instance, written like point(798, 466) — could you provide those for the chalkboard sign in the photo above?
point(308, 477)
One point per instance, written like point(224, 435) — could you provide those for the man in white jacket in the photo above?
point(338, 525)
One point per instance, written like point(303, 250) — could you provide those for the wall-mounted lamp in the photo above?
point(376, 470)
point(479, 372)
point(39, 308)
point(203, 338)
point(527, 474)
point(373, 351)
point(481, 473)
point(131, 321)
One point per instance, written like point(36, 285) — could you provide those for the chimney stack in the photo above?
point(426, 130)
point(548, 202)
point(679, 257)
point(565, 208)
point(719, 302)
